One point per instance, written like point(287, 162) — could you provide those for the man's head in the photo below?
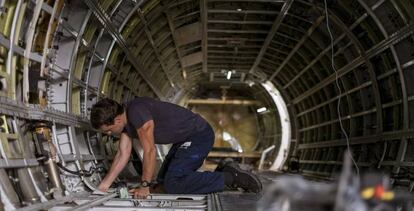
point(108, 116)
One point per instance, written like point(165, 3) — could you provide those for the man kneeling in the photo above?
point(156, 122)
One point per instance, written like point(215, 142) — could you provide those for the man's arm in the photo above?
point(120, 160)
point(146, 137)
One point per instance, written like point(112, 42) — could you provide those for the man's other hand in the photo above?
point(140, 193)
point(103, 187)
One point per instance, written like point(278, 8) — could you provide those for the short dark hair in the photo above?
point(104, 112)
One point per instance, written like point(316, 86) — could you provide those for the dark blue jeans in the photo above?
point(178, 172)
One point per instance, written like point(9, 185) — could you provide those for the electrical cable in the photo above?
point(338, 86)
point(384, 151)
point(80, 172)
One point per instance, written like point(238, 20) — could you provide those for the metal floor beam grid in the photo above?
point(153, 202)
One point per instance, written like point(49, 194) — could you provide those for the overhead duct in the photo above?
point(221, 102)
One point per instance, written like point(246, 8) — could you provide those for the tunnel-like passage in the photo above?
point(343, 69)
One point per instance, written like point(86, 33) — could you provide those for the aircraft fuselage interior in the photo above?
point(313, 97)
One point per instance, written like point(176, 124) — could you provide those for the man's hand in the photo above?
point(103, 187)
point(140, 193)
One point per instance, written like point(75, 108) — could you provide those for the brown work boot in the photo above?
point(242, 178)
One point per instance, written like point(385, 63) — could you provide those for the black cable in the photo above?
point(79, 173)
point(84, 173)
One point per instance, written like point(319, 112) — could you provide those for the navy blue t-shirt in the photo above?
point(172, 123)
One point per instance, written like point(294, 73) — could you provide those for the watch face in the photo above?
point(144, 184)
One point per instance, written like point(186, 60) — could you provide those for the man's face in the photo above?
point(114, 129)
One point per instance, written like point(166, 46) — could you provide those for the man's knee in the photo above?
point(174, 184)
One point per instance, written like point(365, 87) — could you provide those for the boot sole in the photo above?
point(235, 169)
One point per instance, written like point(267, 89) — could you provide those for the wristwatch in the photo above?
point(145, 183)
